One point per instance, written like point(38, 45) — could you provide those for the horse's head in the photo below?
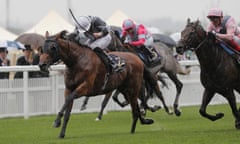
point(192, 35)
point(50, 51)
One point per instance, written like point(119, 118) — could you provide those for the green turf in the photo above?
point(190, 128)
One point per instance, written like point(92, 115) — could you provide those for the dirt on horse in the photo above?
point(84, 76)
point(220, 73)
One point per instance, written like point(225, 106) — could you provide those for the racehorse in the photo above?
point(116, 43)
point(219, 72)
point(84, 76)
point(168, 65)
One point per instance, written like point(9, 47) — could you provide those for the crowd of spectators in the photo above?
point(28, 57)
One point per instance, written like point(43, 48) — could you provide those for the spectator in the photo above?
point(26, 59)
point(4, 61)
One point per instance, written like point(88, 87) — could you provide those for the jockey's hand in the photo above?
point(126, 41)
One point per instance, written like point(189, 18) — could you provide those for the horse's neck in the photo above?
point(210, 55)
point(116, 44)
point(71, 52)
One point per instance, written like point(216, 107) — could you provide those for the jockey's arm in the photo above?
point(140, 42)
point(141, 37)
point(231, 27)
point(228, 36)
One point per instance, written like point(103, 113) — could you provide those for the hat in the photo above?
point(3, 49)
point(27, 47)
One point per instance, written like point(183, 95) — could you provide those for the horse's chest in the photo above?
point(216, 81)
point(72, 80)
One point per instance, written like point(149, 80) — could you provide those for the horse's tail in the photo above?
point(182, 71)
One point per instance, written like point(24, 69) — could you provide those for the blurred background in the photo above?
point(168, 16)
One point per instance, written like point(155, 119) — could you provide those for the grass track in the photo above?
point(190, 128)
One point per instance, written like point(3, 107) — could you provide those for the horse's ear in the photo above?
point(197, 23)
point(188, 21)
point(47, 34)
point(63, 33)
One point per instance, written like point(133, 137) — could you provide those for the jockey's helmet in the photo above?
point(215, 12)
point(128, 24)
point(84, 23)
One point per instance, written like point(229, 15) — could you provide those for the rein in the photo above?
point(199, 45)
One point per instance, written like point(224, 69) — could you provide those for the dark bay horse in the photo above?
point(84, 76)
point(220, 73)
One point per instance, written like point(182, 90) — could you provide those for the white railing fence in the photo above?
point(40, 96)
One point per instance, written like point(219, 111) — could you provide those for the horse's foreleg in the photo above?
point(232, 101)
point(104, 103)
point(66, 119)
point(207, 96)
point(68, 107)
point(179, 86)
point(136, 113)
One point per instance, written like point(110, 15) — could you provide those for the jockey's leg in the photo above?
point(152, 53)
point(104, 58)
point(235, 43)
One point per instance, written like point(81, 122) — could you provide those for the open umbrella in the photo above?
point(176, 36)
point(33, 39)
point(164, 39)
point(12, 45)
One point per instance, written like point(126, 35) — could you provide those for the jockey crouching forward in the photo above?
point(224, 27)
point(139, 37)
point(93, 32)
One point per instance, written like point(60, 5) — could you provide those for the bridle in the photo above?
point(56, 53)
point(196, 36)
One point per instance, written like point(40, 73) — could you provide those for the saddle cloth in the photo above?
point(117, 63)
point(147, 59)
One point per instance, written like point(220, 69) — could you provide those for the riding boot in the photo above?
point(152, 53)
point(106, 61)
point(104, 58)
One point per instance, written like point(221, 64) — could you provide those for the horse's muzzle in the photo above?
point(180, 48)
point(43, 68)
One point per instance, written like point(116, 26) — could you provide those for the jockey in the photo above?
point(138, 36)
point(93, 32)
point(224, 27)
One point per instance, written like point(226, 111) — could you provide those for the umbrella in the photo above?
point(176, 36)
point(164, 39)
point(33, 39)
point(11, 45)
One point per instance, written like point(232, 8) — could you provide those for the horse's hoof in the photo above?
point(61, 136)
point(219, 115)
point(98, 119)
point(56, 124)
point(177, 112)
point(237, 124)
point(169, 111)
point(83, 108)
point(147, 121)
